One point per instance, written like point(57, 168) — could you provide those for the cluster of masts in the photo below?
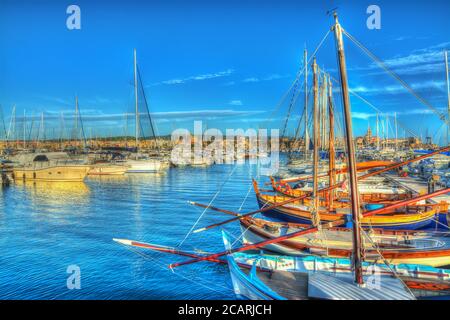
point(12, 134)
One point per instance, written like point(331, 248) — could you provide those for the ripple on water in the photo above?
point(46, 227)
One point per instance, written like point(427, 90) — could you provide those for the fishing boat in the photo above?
point(408, 217)
point(403, 246)
point(270, 277)
point(255, 275)
point(42, 169)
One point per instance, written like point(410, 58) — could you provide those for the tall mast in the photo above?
point(378, 134)
point(316, 218)
point(61, 130)
point(448, 97)
point(357, 252)
point(11, 124)
point(387, 130)
point(76, 121)
point(14, 125)
point(24, 128)
point(396, 132)
point(323, 99)
point(305, 63)
point(42, 128)
point(332, 155)
point(136, 100)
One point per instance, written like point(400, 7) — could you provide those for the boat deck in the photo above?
point(291, 285)
point(415, 185)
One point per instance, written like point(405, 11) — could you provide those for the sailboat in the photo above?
point(48, 166)
point(405, 246)
point(141, 163)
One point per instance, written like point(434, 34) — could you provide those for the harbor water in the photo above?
point(47, 229)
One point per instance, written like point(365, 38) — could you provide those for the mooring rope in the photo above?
point(195, 279)
point(209, 204)
point(385, 261)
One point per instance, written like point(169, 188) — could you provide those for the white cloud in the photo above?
point(235, 103)
point(418, 62)
point(273, 76)
point(252, 79)
point(367, 115)
point(199, 77)
point(394, 89)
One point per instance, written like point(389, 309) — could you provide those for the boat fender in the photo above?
point(348, 221)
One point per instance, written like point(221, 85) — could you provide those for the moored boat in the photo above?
point(41, 169)
point(411, 217)
point(268, 277)
point(145, 165)
point(404, 246)
point(102, 169)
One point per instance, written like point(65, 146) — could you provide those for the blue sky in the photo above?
point(226, 62)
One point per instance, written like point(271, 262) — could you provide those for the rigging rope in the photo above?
point(385, 260)
point(209, 204)
point(396, 77)
point(146, 108)
point(374, 107)
point(299, 73)
point(295, 94)
point(194, 278)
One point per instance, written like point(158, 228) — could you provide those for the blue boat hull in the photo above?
point(281, 215)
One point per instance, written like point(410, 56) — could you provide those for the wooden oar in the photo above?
point(206, 206)
point(311, 230)
point(260, 210)
point(177, 252)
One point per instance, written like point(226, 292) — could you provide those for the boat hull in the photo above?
point(290, 214)
point(52, 173)
point(145, 166)
point(434, 257)
point(103, 170)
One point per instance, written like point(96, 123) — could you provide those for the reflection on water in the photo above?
point(56, 224)
point(54, 188)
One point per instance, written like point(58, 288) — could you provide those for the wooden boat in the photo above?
point(102, 169)
point(412, 217)
point(268, 277)
point(294, 284)
point(397, 247)
point(367, 193)
point(248, 270)
point(41, 169)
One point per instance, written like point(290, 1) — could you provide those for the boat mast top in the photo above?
point(305, 64)
point(357, 250)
